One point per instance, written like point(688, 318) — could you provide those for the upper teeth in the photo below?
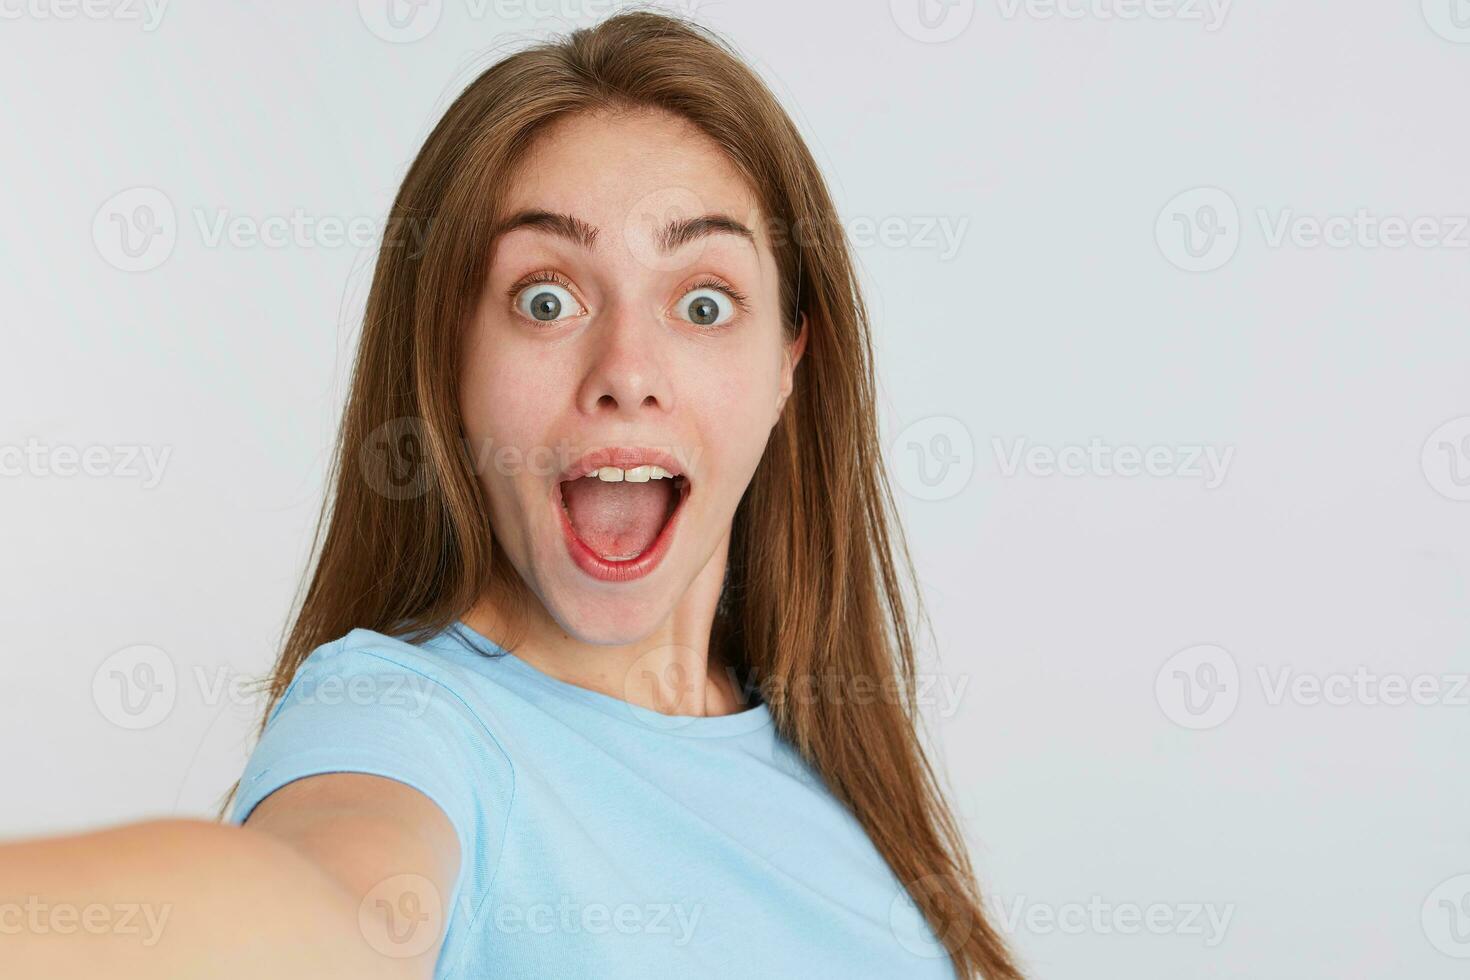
point(636, 474)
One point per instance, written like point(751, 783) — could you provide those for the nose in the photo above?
point(625, 373)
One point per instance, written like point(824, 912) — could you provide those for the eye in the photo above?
point(705, 307)
point(546, 302)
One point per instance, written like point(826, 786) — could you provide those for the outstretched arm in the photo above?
point(339, 875)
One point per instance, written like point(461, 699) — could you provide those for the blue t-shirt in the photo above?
point(599, 838)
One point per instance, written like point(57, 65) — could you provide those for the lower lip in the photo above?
point(599, 567)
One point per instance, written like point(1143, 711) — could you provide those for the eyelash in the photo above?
point(742, 302)
point(545, 275)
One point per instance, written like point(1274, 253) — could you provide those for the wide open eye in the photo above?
point(705, 307)
point(546, 302)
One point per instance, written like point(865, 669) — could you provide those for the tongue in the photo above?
point(617, 520)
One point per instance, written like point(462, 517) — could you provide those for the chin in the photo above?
point(610, 618)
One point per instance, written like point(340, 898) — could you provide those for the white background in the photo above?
point(1053, 143)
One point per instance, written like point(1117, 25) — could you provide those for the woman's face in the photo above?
point(630, 322)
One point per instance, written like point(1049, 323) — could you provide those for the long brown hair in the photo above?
point(814, 586)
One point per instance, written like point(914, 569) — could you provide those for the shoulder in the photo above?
point(365, 668)
point(371, 702)
point(363, 651)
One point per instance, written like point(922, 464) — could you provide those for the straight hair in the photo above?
point(817, 569)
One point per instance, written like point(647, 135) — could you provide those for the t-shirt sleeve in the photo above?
point(381, 710)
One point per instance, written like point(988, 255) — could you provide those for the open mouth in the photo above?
point(618, 511)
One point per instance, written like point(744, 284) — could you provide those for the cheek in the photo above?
point(734, 397)
point(503, 416)
point(507, 387)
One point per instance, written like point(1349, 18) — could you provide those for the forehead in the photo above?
point(628, 172)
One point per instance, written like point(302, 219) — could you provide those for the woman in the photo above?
point(605, 667)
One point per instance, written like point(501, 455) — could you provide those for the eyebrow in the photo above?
point(678, 232)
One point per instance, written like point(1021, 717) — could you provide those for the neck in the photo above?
point(671, 670)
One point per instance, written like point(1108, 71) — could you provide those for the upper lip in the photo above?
point(623, 457)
